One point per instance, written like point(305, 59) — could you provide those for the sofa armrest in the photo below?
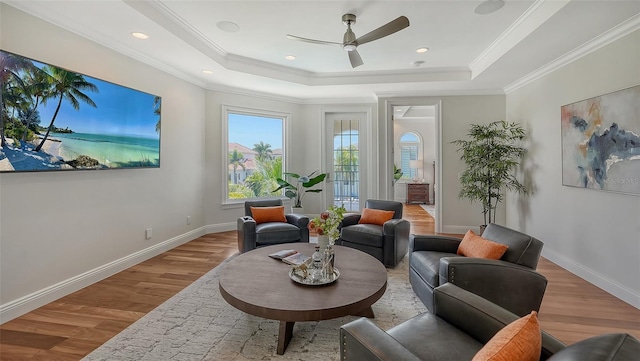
point(246, 233)
point(391, 226)
point(362, 340)
point(517, 288)
point(433, 243)
point(350, 219)
point(479, 317)
point(298, 220)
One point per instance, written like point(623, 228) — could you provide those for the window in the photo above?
point(254, 153)
point(346, 164)
point(409, 147)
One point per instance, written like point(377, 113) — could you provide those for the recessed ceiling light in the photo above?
point(207, 71)
point(290, 57)
point(139, 35)
point(488, 7)
point(398, 110)
point(422, 50)
point(228, 26)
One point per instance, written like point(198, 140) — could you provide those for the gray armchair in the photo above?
point(388, 243)
point(252, 235)
point(511, 282)
point(460, 325)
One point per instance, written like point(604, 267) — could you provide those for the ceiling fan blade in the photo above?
point(387, 29)
point(354, 58)
point(312, 41)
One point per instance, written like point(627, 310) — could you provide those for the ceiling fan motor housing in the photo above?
point(348, 19)
point(349, 38)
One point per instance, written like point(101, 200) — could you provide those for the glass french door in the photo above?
point(344, 160)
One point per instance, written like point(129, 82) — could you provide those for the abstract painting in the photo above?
point(601, 142)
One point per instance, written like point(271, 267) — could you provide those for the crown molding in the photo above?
point(537, 14)
point(69, 24)
point(287, 99)
point(438, 92)
point(172, 22)
point(615, 33)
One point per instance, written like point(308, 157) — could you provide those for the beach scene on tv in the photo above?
point(55, 119)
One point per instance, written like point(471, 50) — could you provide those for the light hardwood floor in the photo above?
point(73, 326)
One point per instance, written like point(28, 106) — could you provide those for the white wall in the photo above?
point(63, 230)
point(592, 233)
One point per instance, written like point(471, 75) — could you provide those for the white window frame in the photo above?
point(231, 109)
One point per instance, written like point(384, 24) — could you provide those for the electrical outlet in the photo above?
point(148, 233)
point(188, 220)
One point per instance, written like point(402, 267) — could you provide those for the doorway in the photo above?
point(414, 127)
point(344, 159)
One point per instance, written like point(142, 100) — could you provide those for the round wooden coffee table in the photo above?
point(259, 285)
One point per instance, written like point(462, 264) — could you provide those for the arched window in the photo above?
point(409, 150)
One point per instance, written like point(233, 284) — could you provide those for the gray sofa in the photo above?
point(388, 243)
point(252, 235)
point(511, 282)
point(460, 325)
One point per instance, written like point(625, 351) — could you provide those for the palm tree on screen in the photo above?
point(156, 110)
point(70, 86)
point(10, 67)
point(36, 88)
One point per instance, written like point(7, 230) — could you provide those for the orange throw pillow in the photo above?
point(268, 214)
point(375, 216)
point(520, 340)
point(473, 245)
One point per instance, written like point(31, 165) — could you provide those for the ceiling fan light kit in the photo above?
point(349, 41)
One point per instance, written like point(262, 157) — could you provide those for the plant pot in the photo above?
point(323, 241)
point(297, 210)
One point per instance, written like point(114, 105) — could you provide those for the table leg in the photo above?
point(284, 336)
point(367, 312)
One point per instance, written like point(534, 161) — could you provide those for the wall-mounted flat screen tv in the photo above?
point(53, 119)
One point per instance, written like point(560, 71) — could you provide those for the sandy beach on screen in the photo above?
point(48, 157)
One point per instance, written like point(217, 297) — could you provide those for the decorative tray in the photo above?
point(311, 282)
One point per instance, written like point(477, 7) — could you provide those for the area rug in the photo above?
point(430, 208)
point(198, 324)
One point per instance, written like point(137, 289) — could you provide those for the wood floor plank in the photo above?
point(73, 326)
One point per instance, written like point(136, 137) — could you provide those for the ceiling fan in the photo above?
point(350, 42)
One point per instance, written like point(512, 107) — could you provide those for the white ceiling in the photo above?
point(469, 53)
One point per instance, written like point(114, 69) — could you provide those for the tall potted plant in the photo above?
point(297, 191)
point(491, 154)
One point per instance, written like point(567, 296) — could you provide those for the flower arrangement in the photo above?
point(299, 190)
point(328, 222)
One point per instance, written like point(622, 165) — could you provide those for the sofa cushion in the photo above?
point(375, 216)
point(610, 347)
point(473, 245)
point(520, 340)
point(366, 234)
point(275, 233)
point(431, 338)
point(427, 265)
point(268, 214)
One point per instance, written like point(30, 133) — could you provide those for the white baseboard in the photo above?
point(22, 305)
point(620, 291)
point(220, 227)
